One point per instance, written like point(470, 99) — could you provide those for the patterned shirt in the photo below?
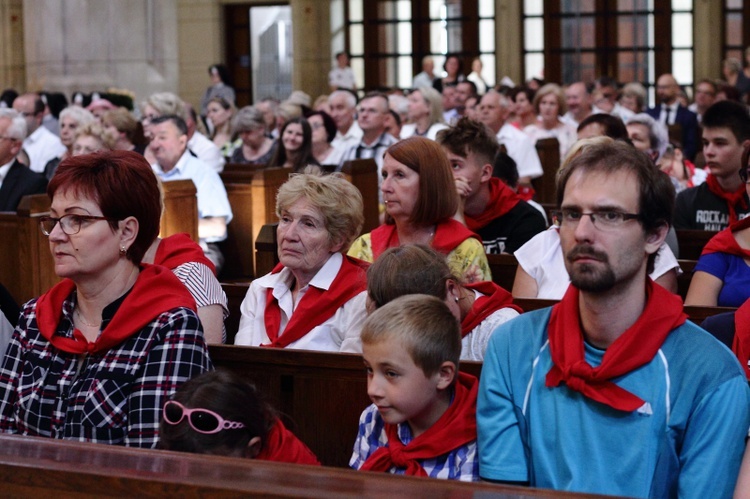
point(467, 261)
point(460, 464)
point(112, 397)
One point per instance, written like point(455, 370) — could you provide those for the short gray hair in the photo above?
point(248, 118)
point(658, 138)
point(78, 114)
point(166, 103)
point(349, 97)
point(17, 128)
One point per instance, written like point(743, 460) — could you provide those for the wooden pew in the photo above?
point(363, 173)
point(549, 155)
point(683, 280)
point(252, 195)
point(503, 268)
point(45, 467)
point(691, 242)
point(27, 268)
point(321, 393)
point(180, 209)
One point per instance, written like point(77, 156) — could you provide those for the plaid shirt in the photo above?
point(459, 464)
point(112, 397)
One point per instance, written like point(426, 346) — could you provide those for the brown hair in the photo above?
point(406, 270)
point(422, 324)
point(437, 199)
point(469, 136)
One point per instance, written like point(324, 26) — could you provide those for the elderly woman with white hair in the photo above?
point(648, 135)
point(71, 119)
point(315, 298)
point(425, 114)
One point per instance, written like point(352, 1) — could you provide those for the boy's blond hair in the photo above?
point(423, 325)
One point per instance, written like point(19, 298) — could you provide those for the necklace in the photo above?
point(80, 317)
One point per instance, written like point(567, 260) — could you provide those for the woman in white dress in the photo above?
point(549, 104)
point(425, 114)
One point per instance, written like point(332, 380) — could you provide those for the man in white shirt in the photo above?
point(424, 79)
point(342, 75)
point(371, 117)
point(343, 112)
point(174, 162)
point(493, 112)
point(579, 102)
point(40, 145)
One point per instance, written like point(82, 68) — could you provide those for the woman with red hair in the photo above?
point(96, 357)
point(420, 201)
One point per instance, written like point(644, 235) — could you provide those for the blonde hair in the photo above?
point(94, 129)
point(336, 198)
point(423, 325)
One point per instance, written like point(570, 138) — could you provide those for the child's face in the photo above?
point(400, 389)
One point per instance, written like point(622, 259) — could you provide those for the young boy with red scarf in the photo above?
point(489, 207)
point(423, 418)
point(721, 199)
point(612, 391)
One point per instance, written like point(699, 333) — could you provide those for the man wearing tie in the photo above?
point(670, 112)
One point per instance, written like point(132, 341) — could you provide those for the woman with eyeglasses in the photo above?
point(722, 275)
point(219, 413)
point(96, 357)
point(541, 269)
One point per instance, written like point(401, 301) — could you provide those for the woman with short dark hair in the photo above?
point(95, 357)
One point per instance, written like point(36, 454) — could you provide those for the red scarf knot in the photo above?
point(448, 235)
point(156, 290)
point(316, 306)
point(493, 300)
point(737, 197)
point(502, 200)
point(634, 348)
point(455, 428)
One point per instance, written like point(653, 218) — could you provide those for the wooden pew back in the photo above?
point(363, 173)
point(180, 209)
point(28, 269)
point(691, 242)
point(322, 394)
point(45, 467)
point(549, 155)
point(252, 195)
point(503, 268)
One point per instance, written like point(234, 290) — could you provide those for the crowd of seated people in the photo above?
point(415, 295)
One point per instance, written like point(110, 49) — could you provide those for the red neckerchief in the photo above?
point(525, 192)
point(494, 299)
point(724, 241)
point(741, 341)
point(316, 306)
point(156, 290)
point(177, 249)
point(502, 200)
point(690, 168)
point(732, 198)
point(282, 446)
point(448, 235)
point(634, 348)
point(455, 428)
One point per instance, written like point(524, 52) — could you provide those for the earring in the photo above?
point(456, 298)
point(122, 251)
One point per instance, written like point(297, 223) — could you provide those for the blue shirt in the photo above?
point(733, 271)
point(459, 464)
point(687, 441)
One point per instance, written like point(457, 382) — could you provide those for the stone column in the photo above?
point(311, 22)
point(91, 45)
point(708, 45)
point(508, 41)
point(11, 45)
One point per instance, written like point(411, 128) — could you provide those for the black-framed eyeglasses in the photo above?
point(601, 219)
point(70, 224)
point(744, 174)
